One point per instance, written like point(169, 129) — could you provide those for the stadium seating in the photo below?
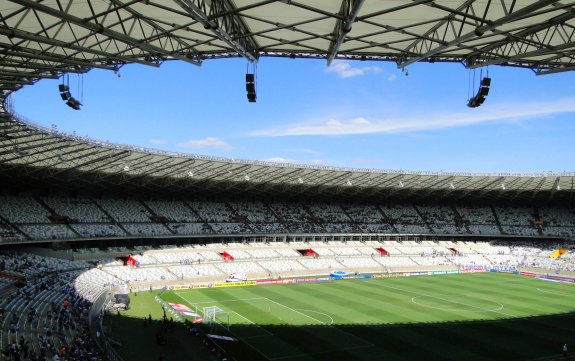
point(28, 218)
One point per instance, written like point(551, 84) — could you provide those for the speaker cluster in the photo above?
point(68, 98)
point(483, 91)
point(251, 87)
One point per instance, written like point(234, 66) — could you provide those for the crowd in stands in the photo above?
point(31, 217)
point(45, 318)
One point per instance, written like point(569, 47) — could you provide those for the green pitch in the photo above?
point(450, 317)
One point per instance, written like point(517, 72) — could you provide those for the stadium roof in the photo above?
point(32, 156)
point(45, 39)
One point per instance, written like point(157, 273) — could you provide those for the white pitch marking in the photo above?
point(296, 311)
point(446, 300)
point(320, 313)
point(554, 293)
point(455, 309)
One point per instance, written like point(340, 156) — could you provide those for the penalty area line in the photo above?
point(296, 311)
point(365, 342)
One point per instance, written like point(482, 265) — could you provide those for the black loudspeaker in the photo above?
point(251, 88)
point(483, 91)
point(74, 104)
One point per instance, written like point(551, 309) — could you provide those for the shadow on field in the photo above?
point(138, 339)
point(533, 338)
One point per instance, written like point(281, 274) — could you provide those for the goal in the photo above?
point(215, 315)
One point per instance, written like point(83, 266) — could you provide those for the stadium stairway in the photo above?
point(459, 218)
point(16, 228)
point(385, 216)
point(112, 220)
point(351, 220)
point(52, 212)
point(537, 216)
point(235, 213)
point(154, 214)
point(497, 220)
point(313, 216)
point(280, 220)
point(425, 220)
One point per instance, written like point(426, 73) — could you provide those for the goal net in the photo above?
point(214, 314)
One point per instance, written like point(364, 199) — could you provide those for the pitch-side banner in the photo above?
point(233, 284)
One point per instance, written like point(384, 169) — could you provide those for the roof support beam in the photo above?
point(479, 31)
point(17, 82)
point(97, 28)
point(349, 11)
point(538, 36)
point(559, 69)
point(229, 29)
point(26, 54)
point(11, 63)
point(519, 57)
point(43, 40)
point(6, 73)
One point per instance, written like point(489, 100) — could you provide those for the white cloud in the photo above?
point(304, 150)
point(157, 141)
point(294, 161)
point(280, 160)
point(360, 125)
point(392, 77)
point(344, 69)
point(209, 142)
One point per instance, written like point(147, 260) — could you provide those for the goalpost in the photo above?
point(215, 315)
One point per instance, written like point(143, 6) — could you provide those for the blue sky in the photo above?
point(352, 114)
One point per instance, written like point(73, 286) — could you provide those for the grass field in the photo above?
point(485, 316)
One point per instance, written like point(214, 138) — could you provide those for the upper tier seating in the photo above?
point(28, 218)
